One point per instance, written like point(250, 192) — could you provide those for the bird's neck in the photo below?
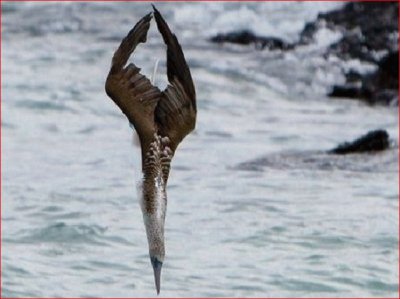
point(154, 196)
point(155, 163)
point(154, 208)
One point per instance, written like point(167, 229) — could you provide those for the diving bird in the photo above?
point(161, 119)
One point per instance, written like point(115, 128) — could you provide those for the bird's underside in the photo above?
point(161, 119)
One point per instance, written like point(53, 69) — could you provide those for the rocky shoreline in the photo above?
point(373, 141)
point(246, 37)
point(370, 34)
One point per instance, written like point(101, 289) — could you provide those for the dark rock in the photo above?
point(373, 141)
point(367, 27)
point(387, 75)
point(389, 97)
point(346, 91)
point(376, 22)
point(309, 30)
point(380, 87)
point(351, 46)
point(353, 77)
point(246, 37)
point(370, 30)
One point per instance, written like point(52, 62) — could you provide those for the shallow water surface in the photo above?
point(256, 207)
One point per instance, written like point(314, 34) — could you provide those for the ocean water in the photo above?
point(256, 207)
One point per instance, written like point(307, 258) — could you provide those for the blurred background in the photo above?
point(257, 204)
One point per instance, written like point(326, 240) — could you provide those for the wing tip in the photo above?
point(146, 22)
point(173, 45)
point(138, 34)
point(162, 24)
point(148, 17)
point(156, 11)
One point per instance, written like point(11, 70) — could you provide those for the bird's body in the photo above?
point(161, 119)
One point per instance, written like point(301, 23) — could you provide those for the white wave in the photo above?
point(261, 18)
point(358, 66)
point(325, 37)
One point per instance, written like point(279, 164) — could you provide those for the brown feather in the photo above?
point(161, 120)
point(176, 110)
point(171, 113)
point(130, 90)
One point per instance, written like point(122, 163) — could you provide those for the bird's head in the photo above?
point(155, 236)
point(157, 263)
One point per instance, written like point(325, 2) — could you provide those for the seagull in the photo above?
point(161, 120)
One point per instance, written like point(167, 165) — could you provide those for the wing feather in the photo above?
point(171, 113)
point(175, 113)
point(130, 90)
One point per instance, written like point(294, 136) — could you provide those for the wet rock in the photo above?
point(246, 37)
point(380, 87)
point(386, 162)
point(346, 91)
point(372, 141)
point(308, 32)
point(370, 30)
point(387, 75)
point(388, 97)
point(367, 27)
point(370, 34)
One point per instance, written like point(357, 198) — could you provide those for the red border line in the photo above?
point(76, 1)
point(1, 159)
point(398, 155)
point(1, 150)
point(155, 1)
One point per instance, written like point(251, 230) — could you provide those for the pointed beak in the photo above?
point(157, 272)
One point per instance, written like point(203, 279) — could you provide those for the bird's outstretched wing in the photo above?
point(132, 91)
point(171, 113)
point(175, 113)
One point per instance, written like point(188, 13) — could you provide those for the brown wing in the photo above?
point(175, 113)
point(130, 90)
